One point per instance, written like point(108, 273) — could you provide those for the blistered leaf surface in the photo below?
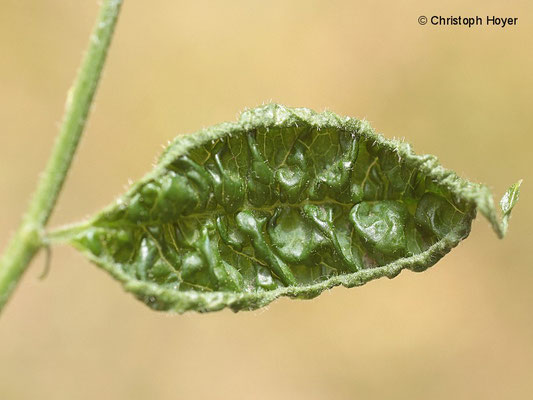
point(283, 202)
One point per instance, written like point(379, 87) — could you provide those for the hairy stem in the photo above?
point(28, 239)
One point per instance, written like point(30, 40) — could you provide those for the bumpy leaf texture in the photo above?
point(285, 202)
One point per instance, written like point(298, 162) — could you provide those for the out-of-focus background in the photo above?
point(461, 330)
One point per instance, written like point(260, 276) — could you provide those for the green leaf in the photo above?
point(285, 202)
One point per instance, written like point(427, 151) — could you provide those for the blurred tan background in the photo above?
point(461, 330)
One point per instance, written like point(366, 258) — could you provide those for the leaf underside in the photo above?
point(285, 202)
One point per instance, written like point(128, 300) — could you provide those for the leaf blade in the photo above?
point(285, 202)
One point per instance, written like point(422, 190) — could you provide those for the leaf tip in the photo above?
point(507, 203)
point(510, 198)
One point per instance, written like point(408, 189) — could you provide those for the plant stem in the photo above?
point(28, 239)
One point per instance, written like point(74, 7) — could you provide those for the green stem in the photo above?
point(28, 239)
